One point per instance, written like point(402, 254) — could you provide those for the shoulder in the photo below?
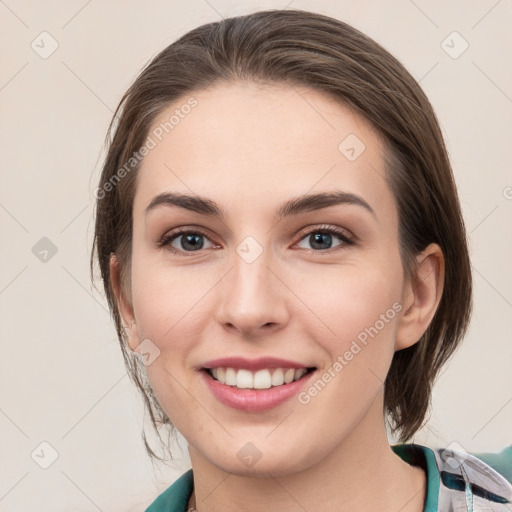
point(458, 480)
point(473, 481)
point(176, 496)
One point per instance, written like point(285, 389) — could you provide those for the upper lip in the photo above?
point(252, 364)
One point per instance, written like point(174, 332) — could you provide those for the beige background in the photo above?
point(62, 380)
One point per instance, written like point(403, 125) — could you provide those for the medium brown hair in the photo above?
point(297, 47)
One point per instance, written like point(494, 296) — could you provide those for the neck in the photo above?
point(361, 473)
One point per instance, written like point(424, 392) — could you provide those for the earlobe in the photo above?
point(421, 297)
point(124, 304)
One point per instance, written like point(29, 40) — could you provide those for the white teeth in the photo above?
point(288, 376)
point(244, 379)
point(261, 379)
point(278, 377)
point(230, 377)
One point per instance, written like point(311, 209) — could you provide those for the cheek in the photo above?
point(167, 299)
point(359, 314)
point(169, 305)
point(354, 303)
point(346, 300)
point(166, 306)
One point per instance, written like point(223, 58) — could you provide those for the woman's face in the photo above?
point(259, 276)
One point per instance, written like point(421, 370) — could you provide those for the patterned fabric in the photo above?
point(468, 484)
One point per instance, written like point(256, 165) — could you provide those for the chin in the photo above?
point(249, 461)
point(268, 469)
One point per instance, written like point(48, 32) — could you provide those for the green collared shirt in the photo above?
point(175, 498)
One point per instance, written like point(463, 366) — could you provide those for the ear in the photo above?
point(124, 303)
point(420, 297)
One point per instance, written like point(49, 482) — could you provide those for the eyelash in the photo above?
point(166, 241)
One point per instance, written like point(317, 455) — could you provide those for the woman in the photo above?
point(284, 255)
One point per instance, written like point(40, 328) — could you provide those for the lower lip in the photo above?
point(254, 399)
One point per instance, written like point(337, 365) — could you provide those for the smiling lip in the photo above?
point(253, 400)
point(252, 364)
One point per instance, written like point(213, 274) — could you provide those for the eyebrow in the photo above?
point(294, 206)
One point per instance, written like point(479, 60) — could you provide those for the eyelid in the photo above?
point(340, 232)
point(168, 238)
point(343, 234)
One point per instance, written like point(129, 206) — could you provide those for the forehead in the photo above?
point(249, 144)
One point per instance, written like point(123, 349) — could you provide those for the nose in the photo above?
point(253, 298)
